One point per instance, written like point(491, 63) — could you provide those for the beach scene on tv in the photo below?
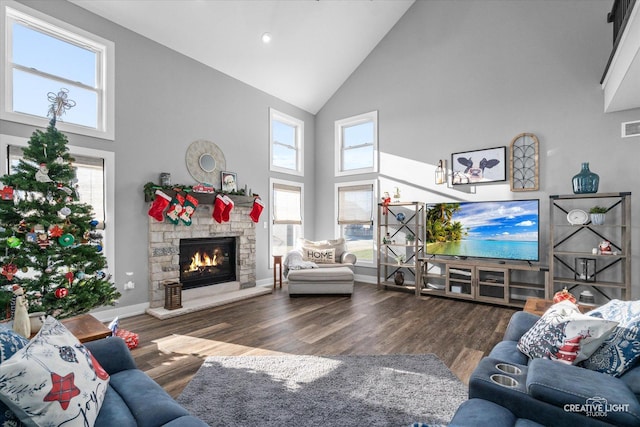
point(501, 230)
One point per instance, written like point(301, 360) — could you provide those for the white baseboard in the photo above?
point(127, 311)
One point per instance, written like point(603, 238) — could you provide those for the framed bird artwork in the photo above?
point(479, 166)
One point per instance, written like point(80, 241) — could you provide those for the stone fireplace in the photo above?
point(164, 250)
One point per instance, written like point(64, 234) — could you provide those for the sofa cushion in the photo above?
point(507, 351)
point(579, 390)
point(321, 275)
point(319, 256)
point(10, 343)
point(53, 380)
point(564, 334)
point(621, 349)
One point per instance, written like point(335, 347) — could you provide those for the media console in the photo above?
point(504, 283)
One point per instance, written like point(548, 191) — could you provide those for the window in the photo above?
point(43, 55)
point(287, 143)
point(357, 144)
point(355, 207)
point(95, 184)
point(287, 207)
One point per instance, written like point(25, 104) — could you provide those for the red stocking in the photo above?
point(160, 203)
point(256, 210)
point(227, 209)
point(175, 208)
point(218, 208)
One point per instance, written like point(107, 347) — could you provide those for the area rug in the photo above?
point(341, 391)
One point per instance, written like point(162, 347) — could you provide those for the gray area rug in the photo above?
point(385, 390)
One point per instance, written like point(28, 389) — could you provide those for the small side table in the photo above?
point(86, 328)
point(277, 262)
point(538, 306)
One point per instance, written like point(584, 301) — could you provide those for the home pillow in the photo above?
point(338, 244)
point(10, 343)
point(564, 334)
point(53, 380)
point(319, 256)
point(621, 349)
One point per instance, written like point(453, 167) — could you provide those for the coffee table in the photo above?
point(86, 328)
point(538, 306)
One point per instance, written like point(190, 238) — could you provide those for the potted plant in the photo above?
point(598, 214)
point(410, 238)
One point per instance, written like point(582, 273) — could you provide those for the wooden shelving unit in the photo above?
point(568, 243)
point(396, 222)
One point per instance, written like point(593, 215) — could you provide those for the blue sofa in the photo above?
point(134, 399)
point(545, 392)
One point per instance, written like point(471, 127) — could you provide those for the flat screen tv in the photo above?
point(506, 230)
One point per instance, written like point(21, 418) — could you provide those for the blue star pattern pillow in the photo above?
point(10, 343)
point(621, 349)
point(53, 380)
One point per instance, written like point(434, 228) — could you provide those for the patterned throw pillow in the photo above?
point(564, 334)
point(319, 256)
point(10, 343)
point(621, 349)
point(53, 380)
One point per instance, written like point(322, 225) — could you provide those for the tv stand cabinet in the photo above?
point(496, 282)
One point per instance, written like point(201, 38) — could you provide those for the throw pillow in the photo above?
point(338, 244)
point(319, 256)
point(53, 380)
point(10, 343)
point(564, 334)
point(621, 349)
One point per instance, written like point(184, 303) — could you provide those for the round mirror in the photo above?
point(207, 162)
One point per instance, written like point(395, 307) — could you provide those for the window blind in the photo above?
point(355, 204)
point(287, 200)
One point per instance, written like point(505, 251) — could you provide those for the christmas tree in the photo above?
point(49, 244)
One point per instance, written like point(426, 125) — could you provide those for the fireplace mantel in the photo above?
point(164, 238)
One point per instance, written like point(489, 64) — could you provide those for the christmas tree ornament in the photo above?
point(69, 276)
point(22, 226)
point(65, 189)
point(42, 175)
point(43, 240)
point(94, 223)
point(66, 240)
point(190, 205)
point(175, 208)
point(6, 193)
point(61, 292)
point(160, 203)
point(256, 209)
point(64, 212)
point(99, 247)
point(9, 270)
point(48, 270)
point(80, 275)
point(25, 269)
point(227, 209)
point(55, 231)
point(13, 242)
point(31, 237)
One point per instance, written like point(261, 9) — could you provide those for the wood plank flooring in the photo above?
point(373, 321)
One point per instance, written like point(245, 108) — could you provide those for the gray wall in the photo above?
point(165, 101)
point(460, 75)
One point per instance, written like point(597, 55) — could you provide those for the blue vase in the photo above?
point(586, 181)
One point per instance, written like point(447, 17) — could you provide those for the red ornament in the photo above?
point(9, 270)
point(6, 193)
point(563, 295)
point(69, 276)
point(61, 292)
point(56, 231)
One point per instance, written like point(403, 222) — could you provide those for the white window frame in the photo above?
point(105, 78)
point(275, 181)
point(108, 233)
point(338, 233)
point(339, 151)
point(299, 126)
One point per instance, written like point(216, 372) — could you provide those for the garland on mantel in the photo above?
point(150, 190)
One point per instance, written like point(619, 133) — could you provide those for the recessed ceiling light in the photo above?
point(266, 38)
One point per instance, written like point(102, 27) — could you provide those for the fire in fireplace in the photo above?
point(207, 261)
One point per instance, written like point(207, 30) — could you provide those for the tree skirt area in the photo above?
point(382, 390)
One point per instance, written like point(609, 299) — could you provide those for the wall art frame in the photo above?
point(479, 166)
point(524, 164)
point(229, 182)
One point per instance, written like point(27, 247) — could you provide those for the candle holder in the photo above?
point(585, 269)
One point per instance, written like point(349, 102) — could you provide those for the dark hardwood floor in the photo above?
point(373, 321)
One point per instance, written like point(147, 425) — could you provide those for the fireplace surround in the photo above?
point(164, 248)
point(207, 261)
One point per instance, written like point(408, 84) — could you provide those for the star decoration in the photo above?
point(56, 231)
point(63, 390)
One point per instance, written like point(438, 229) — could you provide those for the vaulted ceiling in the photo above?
point(315, 45)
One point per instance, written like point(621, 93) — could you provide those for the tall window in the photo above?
point(287, 143)
point(355, 207)
point(357, 144)
point(43, 55)
point(287, 207)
